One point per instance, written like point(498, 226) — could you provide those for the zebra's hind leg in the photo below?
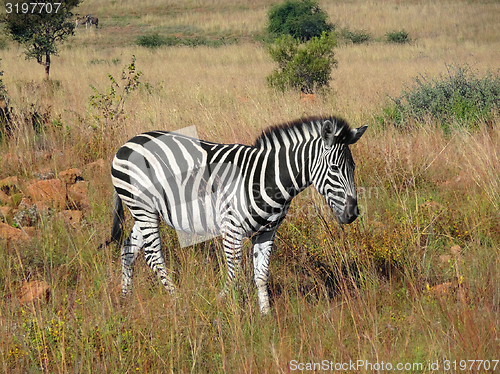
point(154, 255)
point(130, 251)
point(233, 243)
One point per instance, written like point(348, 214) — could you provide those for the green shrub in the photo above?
point(304, 66)
point(356, 37)
point(461, 97)
point(97, 61)
point(107, 116)
point(400, 37)
point(207, 42)
point(156, 41)
point(302, 19)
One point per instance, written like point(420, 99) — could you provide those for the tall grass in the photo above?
point(386, 288)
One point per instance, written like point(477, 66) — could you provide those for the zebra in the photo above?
point(82, 20)
point(164, 174)
point(92, 21)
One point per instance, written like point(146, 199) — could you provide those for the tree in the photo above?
point(4, 109)
point(39, 27)
point(302, 19)
point(305, 66)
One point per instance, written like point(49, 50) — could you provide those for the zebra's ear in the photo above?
point(328, 134)
point(356, 134)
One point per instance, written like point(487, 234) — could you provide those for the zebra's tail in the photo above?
point(118, 219)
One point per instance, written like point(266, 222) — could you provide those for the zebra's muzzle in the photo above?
point(350, 212)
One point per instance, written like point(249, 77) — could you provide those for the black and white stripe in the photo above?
point(235, 190)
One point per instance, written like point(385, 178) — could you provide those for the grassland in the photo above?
point(392, 287)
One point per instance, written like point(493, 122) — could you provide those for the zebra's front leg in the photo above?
point(154, 255)
point(130, 251)
point(261, 253)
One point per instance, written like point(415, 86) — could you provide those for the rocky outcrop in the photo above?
point(66, 197)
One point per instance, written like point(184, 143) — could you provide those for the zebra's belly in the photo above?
point(194, 221)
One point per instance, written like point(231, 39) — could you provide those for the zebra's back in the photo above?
point(192, 184)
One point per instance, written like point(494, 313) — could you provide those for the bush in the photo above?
point(356, 37)
point(301, 19)
point(107, 115)
point(304, 66)
point(156, 41)
point(461, 97)
point(400, 37)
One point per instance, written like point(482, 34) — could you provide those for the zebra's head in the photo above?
point(333, 172)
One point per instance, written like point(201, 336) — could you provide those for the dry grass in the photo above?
point(386, 288)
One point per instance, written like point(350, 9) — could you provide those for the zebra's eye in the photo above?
point(334, 168)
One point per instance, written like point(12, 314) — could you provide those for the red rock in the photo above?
point(71, 217)
point(33, 290)
point(8, 187)
point(31, 232)
point(442, 289)
point(43, 206)
point(25, 203)
point(11, 182)
point(4, 198)
point(307, 98)
point(51, 191)
point(70, 176)
point(10, 233)
point(456, 249)
point(78, 195)
point(5, 213)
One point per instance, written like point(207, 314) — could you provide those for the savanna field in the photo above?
point(413, 281)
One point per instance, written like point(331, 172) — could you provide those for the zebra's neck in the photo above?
point(289, 149)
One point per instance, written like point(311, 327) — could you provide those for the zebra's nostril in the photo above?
point(351, 210)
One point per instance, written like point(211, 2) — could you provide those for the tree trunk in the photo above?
point(47, 65)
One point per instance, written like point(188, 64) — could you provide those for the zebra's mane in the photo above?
point(304, 125)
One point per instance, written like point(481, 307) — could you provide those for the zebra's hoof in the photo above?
point(173, 294)
point(217, 323)
point(265, 311)
point(124, 295)
point(221, 296)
